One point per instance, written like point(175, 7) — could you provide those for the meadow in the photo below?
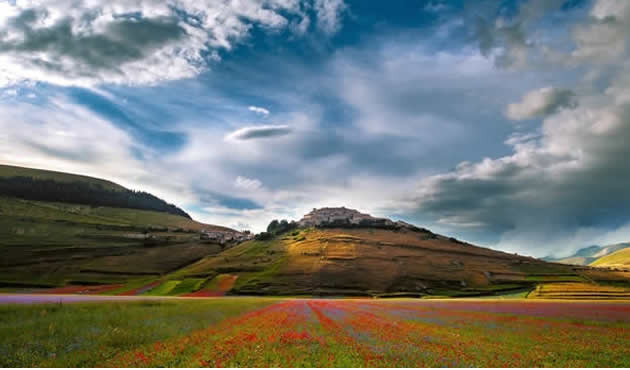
point(89, 334)
point(260, 332)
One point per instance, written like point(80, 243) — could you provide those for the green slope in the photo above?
point(46, 243)
point(620, 258)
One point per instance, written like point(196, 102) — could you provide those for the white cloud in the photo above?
point(259, 110)
point(540, 102)
point(329, 14)
point(10, 92)
point(64, 142)
point(604, 37)
point(245, 183)
point(133, 41)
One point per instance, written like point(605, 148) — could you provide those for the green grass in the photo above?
point(187, 286)
point(82, 335)
point(520, 294)
point(554, 278)
point(213, 283)
point(53, 243)
point(163, 289)
point(130, 285)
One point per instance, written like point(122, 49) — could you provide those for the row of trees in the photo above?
point(83, 193)
point(276, 228)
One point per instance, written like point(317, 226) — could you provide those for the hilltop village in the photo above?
point(345, 217)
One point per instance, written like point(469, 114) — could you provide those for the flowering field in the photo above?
point(261, 332)
point(403, 333)
point(87, 334)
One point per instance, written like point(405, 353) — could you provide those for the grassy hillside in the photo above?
point(44, 243)
point(14, 171)
point(619, 259)
point(381, 263)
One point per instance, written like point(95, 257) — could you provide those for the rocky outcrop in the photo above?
point(345, 217)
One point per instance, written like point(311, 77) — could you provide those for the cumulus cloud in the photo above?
point(84, 43)
point(259, 110)
point(568, 179)
point(539, 103)
point(259, 132)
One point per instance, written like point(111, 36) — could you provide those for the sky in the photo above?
point(502, 123)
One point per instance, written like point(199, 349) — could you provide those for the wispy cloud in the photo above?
point(259, 110)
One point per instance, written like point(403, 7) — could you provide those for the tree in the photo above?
point(273, 226)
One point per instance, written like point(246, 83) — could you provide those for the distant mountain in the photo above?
point(50, 186)
point(339, 251)
point(586, 256)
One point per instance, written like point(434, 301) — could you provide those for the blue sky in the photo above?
point(499, 122)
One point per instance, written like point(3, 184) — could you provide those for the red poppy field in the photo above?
point(264, 332)
point(402, 333)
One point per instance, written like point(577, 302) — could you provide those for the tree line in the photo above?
point(83, 193)
point(276, 228)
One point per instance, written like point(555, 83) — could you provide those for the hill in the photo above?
point(32, 184)
point(335, 251)
point(46, 243)
point(588, 255)
point(329, 252)
point(7, 171)
point(618, 259)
